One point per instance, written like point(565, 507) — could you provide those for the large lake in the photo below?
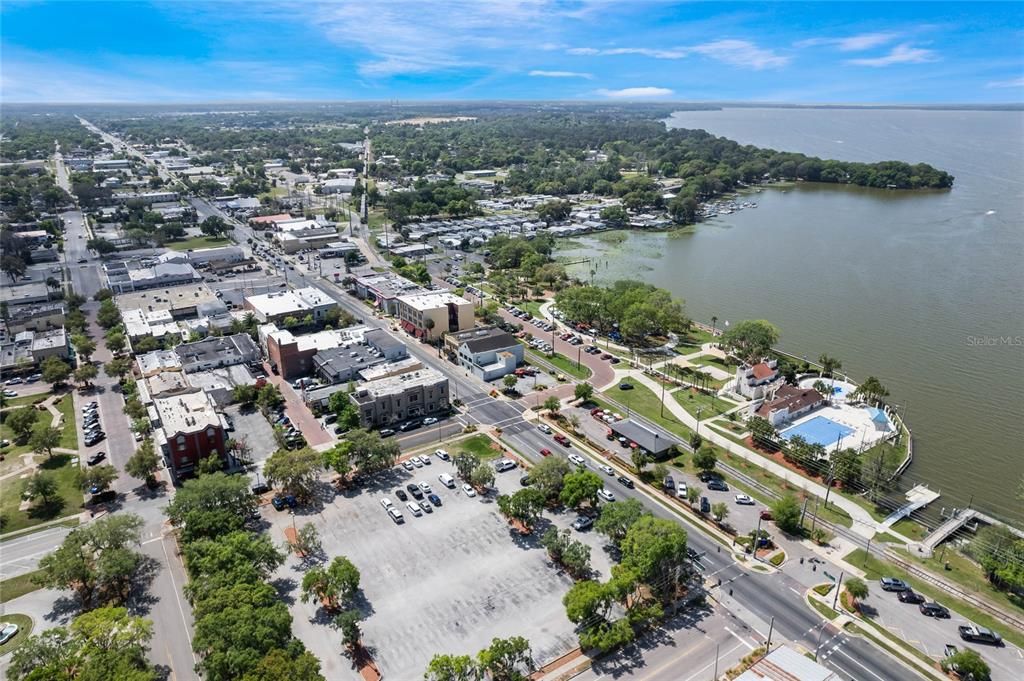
point(920, 289)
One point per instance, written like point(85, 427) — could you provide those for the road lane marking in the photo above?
point(700, 672)
point(858, 663)
point(177, 598)
point(739, 638)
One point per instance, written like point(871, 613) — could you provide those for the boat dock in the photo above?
point(917, 498)
point(959, 518)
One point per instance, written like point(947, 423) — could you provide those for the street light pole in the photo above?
point(817, 647)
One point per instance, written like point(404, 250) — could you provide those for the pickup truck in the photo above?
point(971, 632)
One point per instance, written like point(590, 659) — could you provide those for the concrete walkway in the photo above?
point(863, 523)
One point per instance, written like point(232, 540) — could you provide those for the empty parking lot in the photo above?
point(449, 581)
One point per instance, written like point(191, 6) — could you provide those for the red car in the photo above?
point(562, 440)
point(766, 515)
point(545, 452)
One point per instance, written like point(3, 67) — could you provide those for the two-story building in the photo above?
point(757, 380)
point(486, 353)
point(298, 304)
point(395, 399)
point(788, 403)
point(432, 314)
point(187, 430)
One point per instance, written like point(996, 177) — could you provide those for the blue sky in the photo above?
point(622, 50)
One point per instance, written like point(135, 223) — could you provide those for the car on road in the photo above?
point(545, 452)
point(718, 485)
point(976, 634)
point(893, 584)
point(468, 489)
point(625, 482)
point(434, 499)
point(562, 440)
point(15, 381)
point(544, 428)
point(577, 459)
point(96, 458)
point(9, 630)
point(402, 496)
point(443, 455)
point(744, 500)
point(934, 610)
point(584, 522)
point(606, 494)
point(10, 393)
point(386, 503)
point(766, 514)
point(396, 515)
point(429, 421)
point(82, 260)
point(910, 596)
point(606, 469)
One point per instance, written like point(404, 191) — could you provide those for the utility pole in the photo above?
point(817, 647)
point(757, 537)
point(715, 677)
point(768, 643)
point(839, 584)
point(803, 512)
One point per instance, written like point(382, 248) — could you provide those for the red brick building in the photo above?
point(188, 430)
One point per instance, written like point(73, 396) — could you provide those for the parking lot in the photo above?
point(444, 582)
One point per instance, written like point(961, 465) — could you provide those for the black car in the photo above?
point(669, 484)
point(910, 596)
point(95, 439)
point(705, 505)
point(415, 491)
point(625, 386)
point(525, 481)
point(261, 488)
point(625, 482)
point(400, 493)
point(933, 610)
point(718, 485)
point(410, 425)
point(96, 458)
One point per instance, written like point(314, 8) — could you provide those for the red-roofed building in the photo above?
point(788, 403)
point(754, 382)
point(269, 220)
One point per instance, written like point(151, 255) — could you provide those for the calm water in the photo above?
point(915, 288)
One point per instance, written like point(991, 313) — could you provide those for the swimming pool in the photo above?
point(819, 430)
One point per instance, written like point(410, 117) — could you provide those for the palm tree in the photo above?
point(714, 320)
point(828, 365)
point(857, 589)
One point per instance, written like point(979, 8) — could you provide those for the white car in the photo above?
point(416, 462)
point(681, 490)
point(386, 503)
point(396, 515)
point(429, 421)
point(544, 428)
point(468, 489)
point(606, 469)
point(414, 508)
point(577, 459)
point(425, 487)
point(407, 465)
point(442, 454)
point(744, 500)
point(606, 494)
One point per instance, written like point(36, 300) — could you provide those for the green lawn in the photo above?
point(24, 623)
point(712, 361)
point(692, 399)
point(642, 400)
point(565, 365)
point(692, 340)
point(68, 433)
point(875, 568)
point(197, 242)
point(826, 612)
point(17, 586)
point(27, 399)
point(531, 306)
point(480, 445)
point(69, 499)
point(910, 529)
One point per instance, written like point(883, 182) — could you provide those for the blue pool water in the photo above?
point(819, 430)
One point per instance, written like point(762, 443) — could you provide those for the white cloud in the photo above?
point(561, 74)
point(734, 52)
point(741, 53)
point(853, 43)
point(1014, 82)
point(901, 54)
point(636, 92)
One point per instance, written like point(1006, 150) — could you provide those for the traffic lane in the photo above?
point(22, 554)
point(425, 435)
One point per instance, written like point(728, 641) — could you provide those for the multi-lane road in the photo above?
point(756, 602)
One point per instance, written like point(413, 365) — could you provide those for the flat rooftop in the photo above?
point(654, 440)
point(433, 300)
point(396, 385)
point(187, 413)
point(171, 298)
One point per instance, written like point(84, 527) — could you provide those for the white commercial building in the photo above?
point(298, 303)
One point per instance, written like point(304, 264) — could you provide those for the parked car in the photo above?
point(407, 465)
point(972, 632)
point(434, 499)
point(96, 458)
point(584, 522)
point(766, 515)
point(416, 462)
point(260, 488)
point(934, 610)
point(625, 386)
point(425, 487)
point(705, 505)
point(278, 503)
point(386, 432)
point(910, 596)
point(386, 503)
point(442, 454)
point(668, 484)
point(744, 500)
point(468, 489)
point(718, 485)
point(429, 421)
point(893, 584)
point(402, 496)
point(524, 480)
point(681, 490)
point(396, 515)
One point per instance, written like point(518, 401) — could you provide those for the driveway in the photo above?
point(301, 417)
